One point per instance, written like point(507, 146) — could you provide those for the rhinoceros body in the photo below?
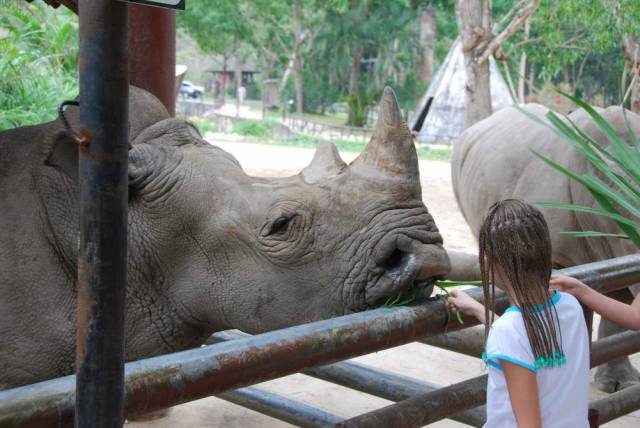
point(494, 160)
point(210, 248)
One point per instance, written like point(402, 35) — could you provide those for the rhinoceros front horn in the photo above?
point(326, 163)
point(391, 147)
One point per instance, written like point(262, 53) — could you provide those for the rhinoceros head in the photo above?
point(334, 239)
point(212, 248)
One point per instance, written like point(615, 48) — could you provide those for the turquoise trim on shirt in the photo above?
point(537, 308)
point(490, 360)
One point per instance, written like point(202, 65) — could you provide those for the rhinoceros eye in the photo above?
point(281, 225)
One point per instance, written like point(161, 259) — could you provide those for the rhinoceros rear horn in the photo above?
point(326, 163)
point(391, 147)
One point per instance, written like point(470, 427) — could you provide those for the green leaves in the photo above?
point(615, 180)
point(38, 63)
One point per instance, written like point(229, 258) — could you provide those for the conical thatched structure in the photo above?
point(439, 117)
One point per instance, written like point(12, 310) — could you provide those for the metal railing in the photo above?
point(167, 380)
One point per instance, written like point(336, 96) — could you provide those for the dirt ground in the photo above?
point(416, 360)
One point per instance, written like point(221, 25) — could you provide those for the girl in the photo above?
point(538, 350)
point(627, 316)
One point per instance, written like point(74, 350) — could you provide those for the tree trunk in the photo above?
point(223, 81)
point(297, 61)
point(297, 78)
point(356, 116)
point(474, 26)
point(354, 90)
point(523, 65)
point(478, 45)
point(424, 64)
point(632, 57)
point(238, 82)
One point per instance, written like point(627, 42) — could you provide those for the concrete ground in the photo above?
point(416, 360)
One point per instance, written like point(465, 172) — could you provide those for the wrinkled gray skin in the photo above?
point(210, 248)
point(493, 160)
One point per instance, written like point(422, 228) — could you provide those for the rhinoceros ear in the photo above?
point(62, 153)
point(326, 163)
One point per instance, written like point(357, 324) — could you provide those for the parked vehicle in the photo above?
point(188, 89)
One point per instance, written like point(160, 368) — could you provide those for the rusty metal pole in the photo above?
point(102, 258)
point(152, 52)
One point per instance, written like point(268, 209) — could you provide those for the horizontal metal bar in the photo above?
point(469, 341)
point(167, 380)
point(176, 378)
point(426, 408)
point(615, 346)
point(433, 406)
point(279, 407)
point(369, 380)
point(388, 385)
point(617, 404)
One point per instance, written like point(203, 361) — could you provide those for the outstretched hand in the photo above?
point(567, 284)
point(461, 301)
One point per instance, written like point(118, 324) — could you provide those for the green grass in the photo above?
point(260, 131)
point(254, 128)
point(203, 125)
point(339, 118)
point(38, 63)
point(311, 142)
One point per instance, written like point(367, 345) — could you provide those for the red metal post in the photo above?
point(152, 52)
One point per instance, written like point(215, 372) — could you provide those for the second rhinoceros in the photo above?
point(494, 160)
point(210, 248)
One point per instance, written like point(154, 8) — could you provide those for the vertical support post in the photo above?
point(152, 52)
point(103, 183)
point(593, 418)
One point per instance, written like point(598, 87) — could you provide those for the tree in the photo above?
point(577, 44)
point(217, 28)
point(295, 25)
point(478, 43)
point(376, 35)
point(426, 52)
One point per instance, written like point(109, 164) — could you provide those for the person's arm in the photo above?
point(461, 301)
point(627, 316)
point(523, 394)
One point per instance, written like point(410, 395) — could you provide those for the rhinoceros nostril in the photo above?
point(394, 261)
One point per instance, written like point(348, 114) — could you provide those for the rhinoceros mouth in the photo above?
point(399, 293)
point(403, 267)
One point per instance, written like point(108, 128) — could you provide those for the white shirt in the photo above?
point(563, 390)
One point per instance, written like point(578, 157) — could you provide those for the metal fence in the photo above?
point(240, 361)
point(342, 132)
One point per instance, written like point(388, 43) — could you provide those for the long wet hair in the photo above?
point(515, 245)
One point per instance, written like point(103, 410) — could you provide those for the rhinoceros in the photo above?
point(494, 160)
point(210, 248)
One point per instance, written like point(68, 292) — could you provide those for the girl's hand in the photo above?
point(567, 284)
point(461, 301)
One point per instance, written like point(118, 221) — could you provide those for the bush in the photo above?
point(618, 194)
point(254, 128)
point(38, 64)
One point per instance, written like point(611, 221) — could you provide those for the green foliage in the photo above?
point(319, 94)
point(254, 128)
point(577, 42)
point(216, 25)
point(38, 64)
point(617, 190)
point(203, 125)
